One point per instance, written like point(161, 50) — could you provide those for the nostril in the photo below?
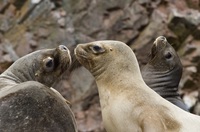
point(62, 47)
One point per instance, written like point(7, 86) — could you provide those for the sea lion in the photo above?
point(163, 72)
point(127, 103)
point(27, 101)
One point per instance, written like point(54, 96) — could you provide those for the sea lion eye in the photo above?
point(97, 49)
point(48, 64)
point(168, 55)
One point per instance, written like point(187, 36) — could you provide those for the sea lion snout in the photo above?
point(160, 39)
point(64, 53)
point(158, 45)
point(80, 51)
point(62, 48)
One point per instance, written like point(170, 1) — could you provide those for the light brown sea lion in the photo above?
point(27, 101)
point(163, 72)
point(127, 103)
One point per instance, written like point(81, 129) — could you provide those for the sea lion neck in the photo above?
point(23, 69)
point(127, 70)
point(16, 74)
point(164, 83)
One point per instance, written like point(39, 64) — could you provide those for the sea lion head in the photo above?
point(164, 69)
point(101, 56)
point(44, 66)
point(163, 56)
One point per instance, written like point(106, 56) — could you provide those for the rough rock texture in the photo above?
point(25, 27)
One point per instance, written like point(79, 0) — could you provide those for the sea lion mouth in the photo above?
point(158, 45)
point(80, 52)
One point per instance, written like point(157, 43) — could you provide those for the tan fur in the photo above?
point(127, 103)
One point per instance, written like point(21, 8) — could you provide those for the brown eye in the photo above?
point(168, 55)
point(48, 64)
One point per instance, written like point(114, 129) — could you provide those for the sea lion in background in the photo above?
point(27, 103)
point(163, 72)
point(127, 103)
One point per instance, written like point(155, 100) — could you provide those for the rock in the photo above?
point(92, 119)
point(190, 49)
point(190, 98)
point(183, 23)
point(64, 87)
point(56, 15)
point(122, 25)
point(151, 31)
point(180, 5)
point(7, 58)
point(39, 9)
point(195, 4)
point(8, 48)
point(4, 24)
point(196, 33)
point(61, 22)
point(3, 6)
point(81, 81)
point(189, 85)
point(82, 38)
point(43, 32)
point(33, 44)
point(63, 13)
point(23, 49)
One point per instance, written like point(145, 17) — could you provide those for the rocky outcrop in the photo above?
point(27, 26)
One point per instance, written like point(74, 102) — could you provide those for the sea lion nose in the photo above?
point(62, 48)
point(160, 40)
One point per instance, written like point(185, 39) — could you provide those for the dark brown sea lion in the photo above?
point(27, 103)
point(127, 103)
point(163, 72)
